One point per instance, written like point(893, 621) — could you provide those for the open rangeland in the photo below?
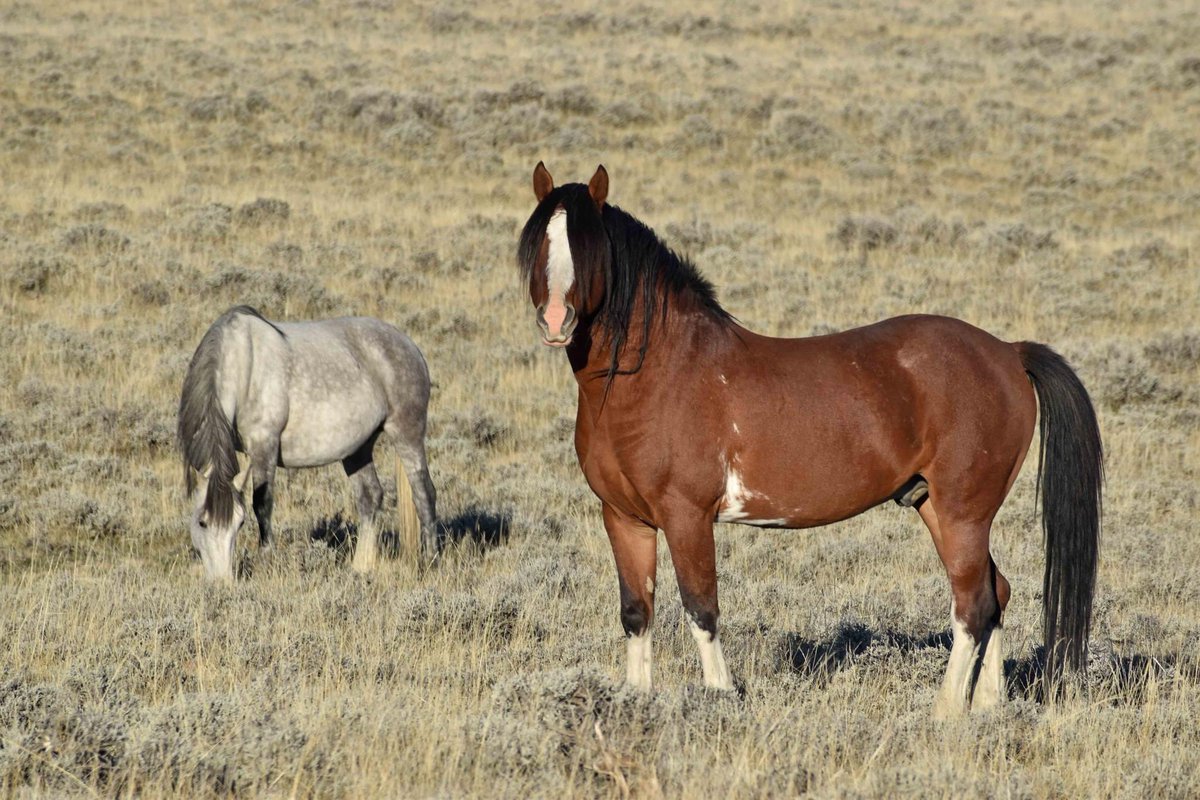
point(1032, 170)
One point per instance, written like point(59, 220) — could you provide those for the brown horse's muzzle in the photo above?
point(558, 323)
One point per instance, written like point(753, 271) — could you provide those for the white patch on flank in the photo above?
point(649, 585)
point(712, 659)
point(723, 379)
point(733, 506)
point(560, 269)
point(954, 696)
point(736, 429)
point(637, 673)
point(732, 509)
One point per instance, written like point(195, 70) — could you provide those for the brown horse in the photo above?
point(686, 418)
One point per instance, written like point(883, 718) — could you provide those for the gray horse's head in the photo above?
point(212, 538)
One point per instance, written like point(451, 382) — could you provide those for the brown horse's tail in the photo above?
point(1070, 474)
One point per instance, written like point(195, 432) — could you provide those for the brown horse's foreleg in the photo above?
point(975, 673)
point(693, 552)
point(635, 548)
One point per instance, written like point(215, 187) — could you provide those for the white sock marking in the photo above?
point(990, 690)
point(638, 667)
point(954, 696)
point(712, 659)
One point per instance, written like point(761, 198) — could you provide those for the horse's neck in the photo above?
point(670, 346)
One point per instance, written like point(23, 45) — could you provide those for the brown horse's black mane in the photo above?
point(634, 264)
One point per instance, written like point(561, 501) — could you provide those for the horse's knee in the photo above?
point(370, 496)
point(635, 616)
point(637, 608)
point(262, 498)
point(701, 608)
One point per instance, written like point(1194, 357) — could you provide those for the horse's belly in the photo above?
point(329, 431)
point(751, 499)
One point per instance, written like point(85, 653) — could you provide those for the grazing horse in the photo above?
point(299, 394)
point(686, 418)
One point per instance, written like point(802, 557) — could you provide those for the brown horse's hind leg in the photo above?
point(693, 552)
point(975, 673)
point(635, 548)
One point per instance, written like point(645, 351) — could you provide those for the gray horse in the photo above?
point(299, 394)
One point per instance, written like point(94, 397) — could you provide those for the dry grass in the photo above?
point(1032, 171)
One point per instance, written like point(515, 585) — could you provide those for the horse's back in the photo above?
point(347, 376)
point(939, 369)
point(903, 358)
point(356, 350)
point(960, 371)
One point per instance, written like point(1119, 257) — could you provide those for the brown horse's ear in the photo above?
point(543, 184)
point(598, 186)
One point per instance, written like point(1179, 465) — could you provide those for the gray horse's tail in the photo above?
point(206, 437)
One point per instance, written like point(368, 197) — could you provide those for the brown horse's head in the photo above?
point(564, 252)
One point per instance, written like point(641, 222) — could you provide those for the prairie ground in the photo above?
point(1033, 170)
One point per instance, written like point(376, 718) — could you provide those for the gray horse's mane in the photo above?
point(206, 435)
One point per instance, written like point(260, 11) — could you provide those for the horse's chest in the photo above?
point(619, 464)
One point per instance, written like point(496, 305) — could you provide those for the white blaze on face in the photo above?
point(560, 272)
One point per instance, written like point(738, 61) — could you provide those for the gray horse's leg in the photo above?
point(425, 498)
point(263, 459)
point(411, 451)
point(369, 497)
